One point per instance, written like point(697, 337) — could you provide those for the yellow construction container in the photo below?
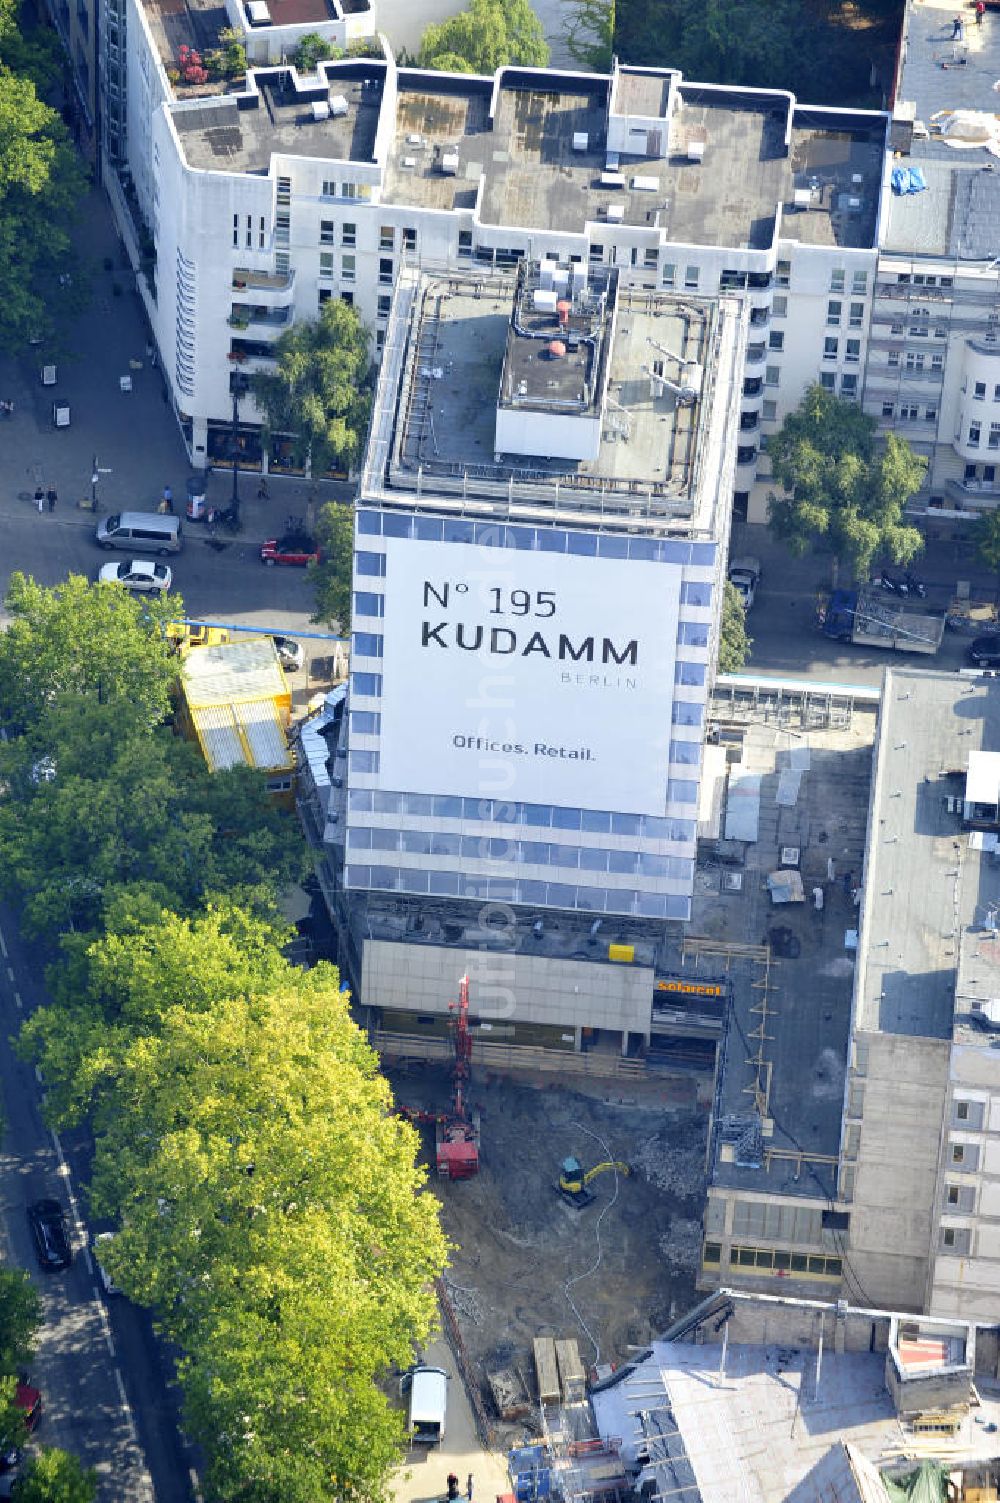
point(621, 952)
point(235, 702)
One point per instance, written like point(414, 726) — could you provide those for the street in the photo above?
point(98, 1366)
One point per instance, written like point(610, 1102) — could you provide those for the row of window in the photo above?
point(532, 816)
point(852, 349)
point(835, 312)
point(253, 232)
point(975, 435)
point(396, 524)
point(693, 592)
point(520, 852)
point(909, 412)
point(689, 633)
point(775, 1260)
point(679, 790)
point(979, 391)
point(565, 895)
point(782, 278)
point(369, 644)
point(916, 362)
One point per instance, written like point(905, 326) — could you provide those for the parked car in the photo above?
point(295, 546)
point(139, 574)
point(105, 1280)
point(47, 1220)
point(744, 573)
point(291, 654)
point(984, 652)
point(29, 1400)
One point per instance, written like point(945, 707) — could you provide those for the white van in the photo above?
point(141, 532)
point(428, 1387)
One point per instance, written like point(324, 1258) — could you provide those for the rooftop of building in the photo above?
point(794, 1405)
point(233, 671)
point(275, 114)
point(917, 936)
point(795, 799)
point(440, 382)
point(558, 341)
point(958, 216)
point(542, 159)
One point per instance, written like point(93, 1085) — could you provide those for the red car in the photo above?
point(29, 1401)
point(295, 547)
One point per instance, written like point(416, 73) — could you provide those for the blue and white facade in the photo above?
point(547, 853)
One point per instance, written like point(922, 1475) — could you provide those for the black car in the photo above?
point(48, 1227)
point(985, 652)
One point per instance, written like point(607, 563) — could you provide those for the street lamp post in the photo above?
point(96, 472)
point(239, 387)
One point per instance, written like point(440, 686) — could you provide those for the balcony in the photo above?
point(753, 386)
point(746, 454)
point(259, 323)
point(756, 353)
point(273, 289)
point(975, 494)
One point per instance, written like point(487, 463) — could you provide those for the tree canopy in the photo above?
point(41, 185)
point(986, 535)
point(734, 643)
point(588, 31)
point(54, 1476)
point(842, 488)
point(824, 52)
point(485, 36)
point(319, 394)
point(84, 641)
point(333, 574)
point(268, 1200)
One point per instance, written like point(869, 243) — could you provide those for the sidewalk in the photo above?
point(423, 1478)
point(133, 434)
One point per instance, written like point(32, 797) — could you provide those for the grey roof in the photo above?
point(958, 215)
point(240, 134)
point(914, 931)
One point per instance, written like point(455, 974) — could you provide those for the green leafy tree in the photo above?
point(841, 488)
point(269, 1202)
point(588, 31)
point(734, 643)
point(986, 535)
point(487, 35)
point(80, 640)
point(109, 807)
point(319, 394)
point(781, 44)
point(54, 1476)
point(20, 1318)
point(13, 1425)
point(41, 185)
point(332, 575)
point(313, 49)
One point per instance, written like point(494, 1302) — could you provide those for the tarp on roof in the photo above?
point(928, 1483)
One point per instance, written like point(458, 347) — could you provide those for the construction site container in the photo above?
point(571, 1374)
point(547, 1370)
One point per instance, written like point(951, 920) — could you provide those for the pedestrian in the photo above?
point(468, 1488)
point(262, 489)
point(452, 1486)
point(210, 519)
point(980, 12)
point(39, 497)
point(957, 29)
point(168, 499)
point(51, 497)
point(848, 883)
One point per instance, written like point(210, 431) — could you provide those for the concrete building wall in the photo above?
point(964, 1273)
point(892, 1129)
point(505, 987)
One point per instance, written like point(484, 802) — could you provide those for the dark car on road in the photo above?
point(985, 652)
point(48, 1227)
point(295, 547)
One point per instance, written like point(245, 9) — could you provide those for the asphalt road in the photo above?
point(782, 621)
point(98, 1365)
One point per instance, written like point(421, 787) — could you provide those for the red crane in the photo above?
point(457, 1133)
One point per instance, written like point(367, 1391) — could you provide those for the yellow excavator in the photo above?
point(574, 1180)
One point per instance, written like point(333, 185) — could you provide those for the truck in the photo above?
point(869, 618)
point(428, 1391)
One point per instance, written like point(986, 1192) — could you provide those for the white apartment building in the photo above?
point(540, 543)
point(266, 199)
point(934, 355)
